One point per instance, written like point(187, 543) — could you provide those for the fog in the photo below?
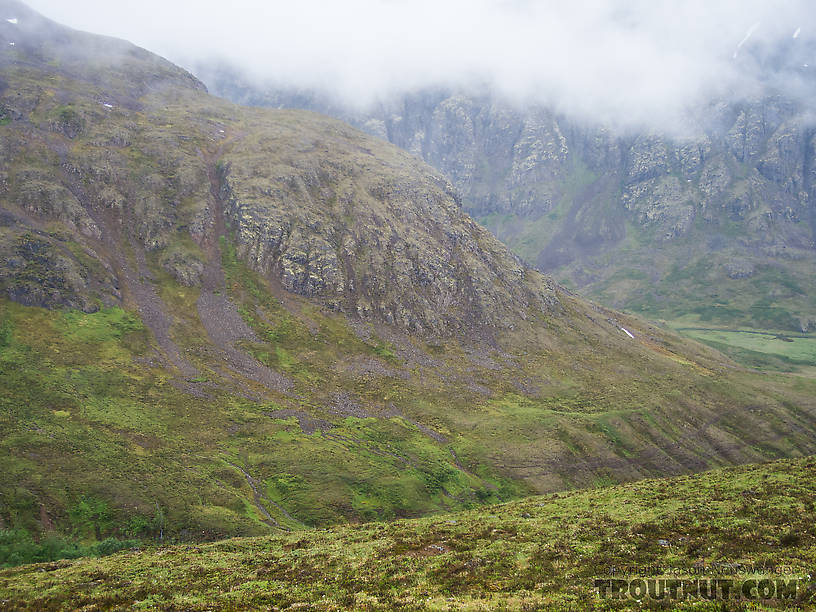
point(619, 62)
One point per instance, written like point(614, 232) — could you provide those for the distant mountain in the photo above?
point(218, 320)
point(719, 228)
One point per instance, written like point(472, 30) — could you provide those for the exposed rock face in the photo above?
point(740, 269)
point(562, 194)
point(389, 244)
point(39, 270)
point(148, 166)
point(508, 161)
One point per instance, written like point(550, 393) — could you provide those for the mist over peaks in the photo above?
point(625, 63)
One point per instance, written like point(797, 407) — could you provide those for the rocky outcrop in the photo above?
point(140, 170)
point(40, 270)
point(563, 194)
point(390, 245)
point(504, 160)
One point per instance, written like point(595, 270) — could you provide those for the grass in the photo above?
point(78, 377)
point(777, 296)
point(765, 350)
point(545, 552)
point(86, 415)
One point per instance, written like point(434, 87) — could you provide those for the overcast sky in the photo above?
point(617, 61)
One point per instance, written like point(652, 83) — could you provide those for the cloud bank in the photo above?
point(620, 62)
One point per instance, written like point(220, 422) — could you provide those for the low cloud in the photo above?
point(617, 62)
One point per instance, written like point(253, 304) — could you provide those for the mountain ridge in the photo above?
point(719, 225)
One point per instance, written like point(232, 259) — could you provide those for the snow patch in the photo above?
point(13, 21)
point(797, 32)
point(748, 34)
point(627, 332)
point(106, 105)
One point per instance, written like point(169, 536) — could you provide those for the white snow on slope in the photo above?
point(748, 34)
point(627, 332)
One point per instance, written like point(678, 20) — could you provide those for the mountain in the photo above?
point(218, 320)
point(691, 538)
point(715, 228)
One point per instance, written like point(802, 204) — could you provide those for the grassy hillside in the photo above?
point(739, 524)
point(103, 441)
point(670, 280)
point(218, 321)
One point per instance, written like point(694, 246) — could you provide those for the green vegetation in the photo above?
point(18, 547)
point(367, 433)
point(89, 394)
point(88, 411)
point(698, 290)
point(224, 322)
point(539, 553)
point(780, 351)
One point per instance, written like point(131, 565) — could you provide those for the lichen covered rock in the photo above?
point(389, 243)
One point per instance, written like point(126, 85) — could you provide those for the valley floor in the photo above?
point(578, 550)
point(763, 349)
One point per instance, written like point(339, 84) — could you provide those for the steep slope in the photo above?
point(729, 529)
point(718, 227)
point(222, 321)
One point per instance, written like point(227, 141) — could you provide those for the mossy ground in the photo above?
point(539, 553)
